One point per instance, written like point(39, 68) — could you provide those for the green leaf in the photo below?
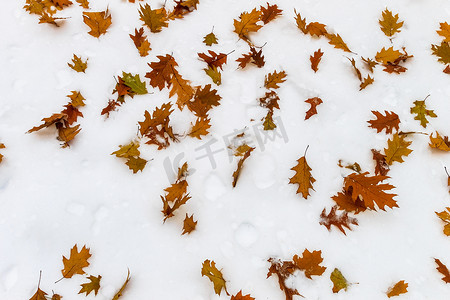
point(215, 75)
point(422, 112)
point(339, 281)
point(210, 39)
point(134, 83)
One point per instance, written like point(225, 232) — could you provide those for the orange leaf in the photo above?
point(99, 22)
point(214, 59)
point(239, 296)
point(283, 269)
point(398, 289)
point(49, 121)
point(388, 122)
point(345, 202)
point(247, 23)
point(302, 177)
point(269, 13)
point(339, 221)
point(162, 71)
point(313, 109)
point(366, 82)
point(316, 28)
point(245, 154)
point(272, 80)
point(154, 19)
point(337, 42)
point(443, 270)
point(189, 224)
point(76, 262)
point(439, 142)
point(92, 285)
point(315, 60)
point(397, 148)
point(200, 128)
point(310, 263)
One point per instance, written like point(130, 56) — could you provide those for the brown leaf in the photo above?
point(214, 59)
point(388, 122)
point(136, 164)
point(302, 177)
point(200, 128)
point(83, 3)
point(76, 98)
point(154, 19)
point(99, 22)
point(162, 71)
point(366, 82)
point(345, 202)
point(141, 42)
point(301, 23)
point(210, 39)
point(239, 296)
point(67, 133)
point(439, 142)
point(72, 113)
point(443, 270)
point(389, 23)
point(381, 166)
point(272, 80)
point(254, 57)
point(310, 263)
point(182, 88)
point(370, 64)
point(357, 71)
point(247, 23)
point(76, 262)
point(122, 289)
point(39, 295)
point(269, 13)
point(316, 29)
point(176, 194)
point(447, 69)
point(397, 289)
point(189, 224)
point(209, 270)
point(315, 101)
point(283, 269)
point(49, 121)
point(315, 60)
point(397, 148)
point(340, 221)
point(156, 126)
point(204, 99)
point(92, 285)
point(337, 42)
point(244, 155)
point(445, 217)
point(270, 100)
point(77, 64)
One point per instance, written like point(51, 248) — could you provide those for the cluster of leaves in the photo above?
point(442, 51)
point(270, 99)
point(214, 63)
point(132, 154)
point(74, 265)
point(64, 120)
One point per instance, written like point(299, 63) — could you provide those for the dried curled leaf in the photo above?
point(340, 221)
point(122, 288)
point(315, 101)
point(209, 270)
point(366, 82)
point(272, 80)
point(381, 166)
point(445, 217)
point(156, 127)
point(189, 224)
point(247, 23)
point(176, 194)
point(76, 262)
point(244, 152)
point(315, 60)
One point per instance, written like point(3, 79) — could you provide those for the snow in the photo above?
point(53, 198)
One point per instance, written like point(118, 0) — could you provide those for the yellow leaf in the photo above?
point(247, 23)
point(210, 39)
point(93, 285)
point(386, 56)
point(339, 281)
point(209, 270)
point(200, 128)
point(397, 148)
point(442, 52)
point(398, 289)
point(367, 81)
point(445, 217)
point(39, 295)
point(422, 112)
point(99, 22)
point(439, 142)
point(189, 224)
point(76, 262)
point(302, 177)
point(214, 74)
point(76, 99)
point(132, 149)
point(389, 23)
point(445, 31)
point(83, 3)
point(155, 19)
point(337, 42)
point(136, 164)
point(144, 48)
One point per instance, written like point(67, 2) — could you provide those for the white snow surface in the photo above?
point(53, 198)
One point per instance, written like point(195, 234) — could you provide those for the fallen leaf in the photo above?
point(316, 29)
point(357, 71)
point(83, 3)
point(76, 262)
point(422, 112)
point(340, 221)
point(141, 42)
point(447, 69)
point(244, 151)
point(56, 297)
point(156, 126)
point(72, 113)
point(247, 23)
point(397, 289)
point(129, 150)
point(214, 74)
point(182, 88)
point(439, 142)
point(337, 42)
point(310, 263)
point(39, 295)
point(315, 60)
point(445, 217)
point(270, 100)
point(67, 133)
point(122, 289)
point(254, 57)
point(386, 56)
point(176, 194)
point(269, 13)
point(272, 80)
point(442, 51)
point(283, 269)
point(268, 123)
point(92, 285)
point(77, 64)
point(339, 281)
point(99, 22)
point(443, 270)
point(134, 83)
point(210, 39)
point(388, 122)
point(239, 296)
point(76, 99)
point(302, 177)
point(204, 99)
point(370, 64)
point(397, 148)
point(444, 31)
point(162, 71)
point(200, 128)
point(366, 82)
point(55, 118)
point(136, 164)
point(189, 224)
point(214, 59)
point(381, 166)
point(344, 201)
point(209, 270)
point(389, 23)
point(315, 101)
point(154, 19)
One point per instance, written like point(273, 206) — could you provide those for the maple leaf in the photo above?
point(283, 269)
point(162, 71)
point(445, 31)
point(182, 88)
point(189, 224)
point(369, 63)
point(366, 82)
point(200, 128)
point(339, 281)
point(422, 112)
point(77, 64)
point(397, 289)
point(254, 57)
point(340, 221)
point(370, 191)
point(315, 101)
point(389, 23)
point(239, 296)
point(439, 142)
point(344, 201)
point(247, 23)
point(92, 285)
point(214, 74)
point(397, 148)
point(272, 80)
point(269, 13)
point(122, 289)
point(141, 42)
point(310, 263)
point(214, 59)
point(270, 100)
point(99, 22)
point(381, 166)
point(388, 122)
point(443, 270)
point(442, 51)
point(445, 217)
point(315, 60)
point(76, 99)
point(244, 152)
point(76, 262)
point(156, 127)
point(316, 29)
point(136, 164)
point(209, 270)
point(210, 39)
point(302, 177)
point(154, 19)
point(83, 3)
point(337, 42)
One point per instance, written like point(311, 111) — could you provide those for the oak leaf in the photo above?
point(254, 57)
point(200, 128)
point(214, 74)
point(92, 285)
point(162, 71)
point(389, 55)
point(39, 295)
point(302, 177)
point(337, 42)
point(301, 23)
point(339, 281)
point(355, 68)
point(99, 22)
point(316, 29)
point(370, 64)
point(189, 224)
point(204, 99)
point(269, 13)
point(182, 88)
point(122, 288)
point(315, 101)
point(366, 82)
point(445, 217)
point(389, 23)
point(209, 270)
point(56, 297)
point(344, 201)
point(443, 270)
point(67, 133)
point(134, 83)
point(156, 126)
point(141, 42)
point(136, 164)
point(315, 60)
point(439, 142)
point(154, 19)
point(129, 150)
point(59, 4)
point(214, 59)
point(381, 166)
point(247, 23)
point(210, 39)
point(244, 152)
point(182, 8)
point(397, 289)
point(283, 269)
point(422, 112)
point(444, 31)
point(388, 122)
point(176, 194)
point(239, 296)
point(268, 123)
point(270, 100)
point(442, 51)
point(77, 64)
point(310, 263)
point(397, 148)
point(49, 121)
point(76, 262)
point(340, 221)
point(272, 80)
point(83, 3)
point(370, 191)
point(72, 113)
point(76, 99)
